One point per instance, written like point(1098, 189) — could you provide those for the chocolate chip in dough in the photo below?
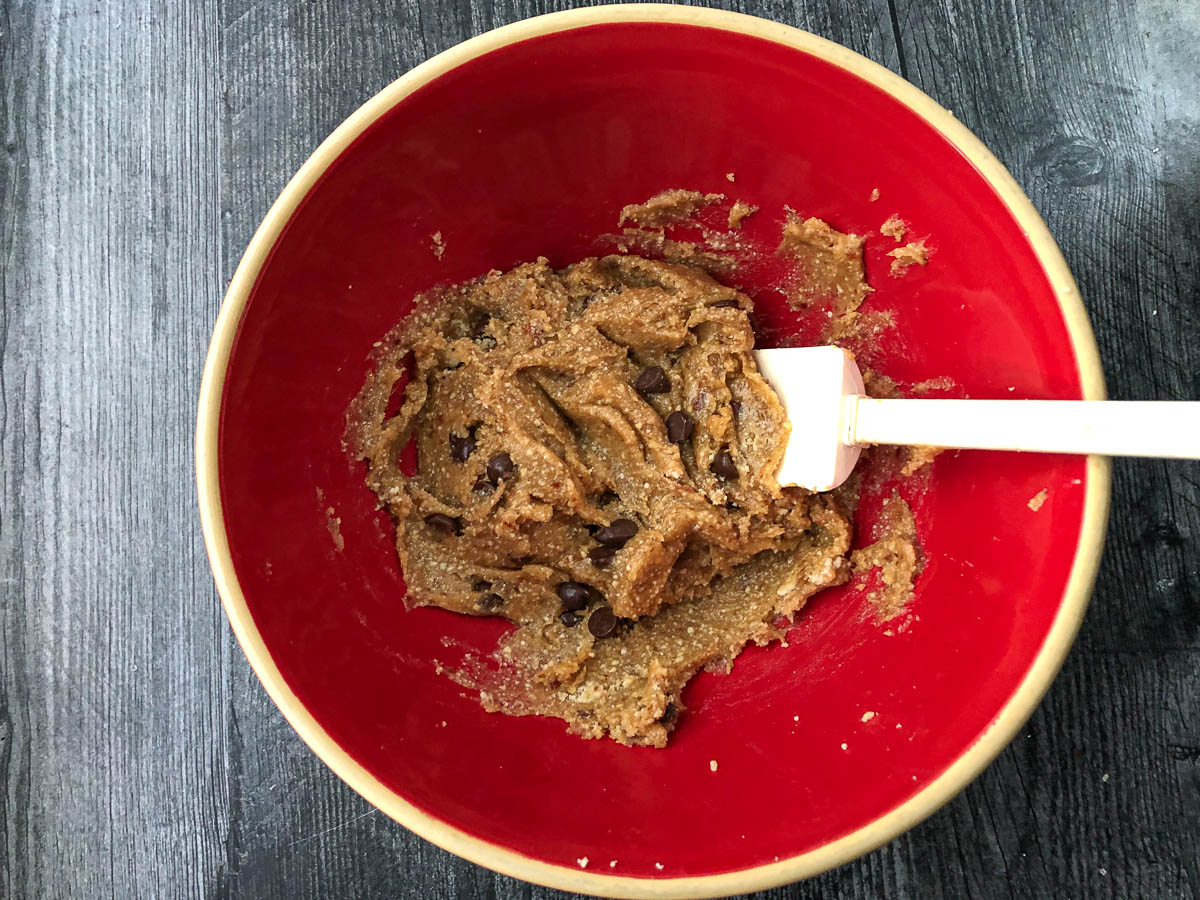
point(652, 381)
point(618, 533)
point(481, 585)
point(602, 622)
point(679, 427)
point(573, 594)
point(490, 602)
point(461, 447)
point(570, 619)
point(499, 468)
point(670, 715)
point(443, 523)
point(602, 556)
point(723, 465)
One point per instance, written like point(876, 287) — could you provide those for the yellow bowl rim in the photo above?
point(574, 878)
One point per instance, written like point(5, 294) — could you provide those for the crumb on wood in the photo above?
point(1036, 501)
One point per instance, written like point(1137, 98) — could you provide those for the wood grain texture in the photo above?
point(143, 142)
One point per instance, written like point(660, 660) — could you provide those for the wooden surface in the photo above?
point(143, 142)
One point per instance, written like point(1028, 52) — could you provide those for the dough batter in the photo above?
point(595, 462)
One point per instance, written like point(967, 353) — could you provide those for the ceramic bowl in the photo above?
point(527, 141)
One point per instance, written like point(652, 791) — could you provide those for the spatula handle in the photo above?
point(1110, 428)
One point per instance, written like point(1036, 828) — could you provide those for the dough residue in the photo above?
point(651, 242)
point(830, 264)
point(557, 485)
point(914, 253)
point(595, 462)
point(894, 555)
point(739, 212)
point(894, 227)
point(918, 457)
point(667, 208)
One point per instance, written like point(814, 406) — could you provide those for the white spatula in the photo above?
point(832, 420)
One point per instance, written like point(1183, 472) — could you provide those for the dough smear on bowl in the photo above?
point(595, 462)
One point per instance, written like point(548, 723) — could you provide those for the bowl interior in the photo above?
point(532, 149)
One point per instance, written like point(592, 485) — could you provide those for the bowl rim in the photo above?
point(862, 840)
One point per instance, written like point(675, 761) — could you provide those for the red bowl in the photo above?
point(525, 142)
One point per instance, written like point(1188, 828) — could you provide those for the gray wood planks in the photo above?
point(141, 145)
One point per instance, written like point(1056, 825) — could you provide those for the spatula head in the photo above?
point(813, 384)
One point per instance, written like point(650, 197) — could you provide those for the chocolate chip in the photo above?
point(652, 381)
point(499, 468)
point(481, 585)
point(670, 715)
point(679, 427)
point(602, 622)
point(570, 619)
point(483, 485)
point(573, 594)
point(602, 556)
point(461, 447)
point(724, 304)
point(616, 534)
point(723, 465)
point(443, 523)
point(490, 601)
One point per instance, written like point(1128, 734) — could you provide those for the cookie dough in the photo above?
point(596, 456)
point(830, 265)
point(914, 253)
